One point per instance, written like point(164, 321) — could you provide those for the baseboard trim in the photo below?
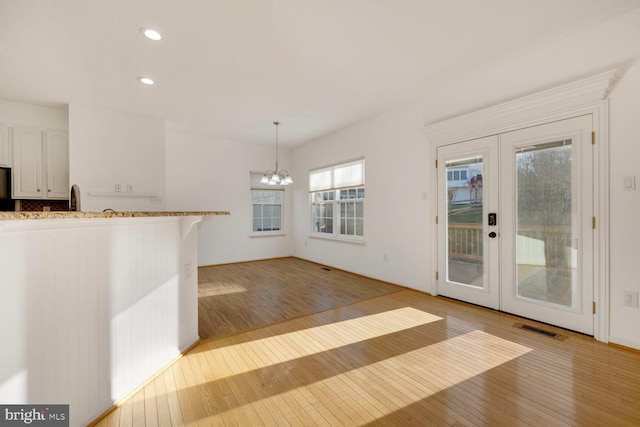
point(624, 343)
point(119, 403)
point(245, 261)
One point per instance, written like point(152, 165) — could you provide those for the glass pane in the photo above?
point(323, 218)
point(349, 193)
point(257, 217)
point(275, 219)
point(359, 210)
point(465, 259)
point(321, 196)
point(546, 260)
point(350, 210)
point(267, 217)
point(351, 227)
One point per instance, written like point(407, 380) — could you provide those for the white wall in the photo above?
point(396, 202)
point(17, 114)
point(107, 148)
point(204, 173)
point(399, 163)
point(625, 207)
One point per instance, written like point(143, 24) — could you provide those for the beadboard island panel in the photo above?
point(93, 307)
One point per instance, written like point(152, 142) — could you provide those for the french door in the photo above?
point(515, 222)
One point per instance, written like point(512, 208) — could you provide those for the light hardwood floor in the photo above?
point(399, 358)
point(238, 297)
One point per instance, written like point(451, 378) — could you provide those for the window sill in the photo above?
point(268, 234)
point(339, 239)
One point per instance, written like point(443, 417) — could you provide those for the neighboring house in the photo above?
point(465, 184)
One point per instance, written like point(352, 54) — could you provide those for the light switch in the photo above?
point(629, 183)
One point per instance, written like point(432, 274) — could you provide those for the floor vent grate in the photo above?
point(540, 331)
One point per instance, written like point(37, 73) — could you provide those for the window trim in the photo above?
point(359, 241)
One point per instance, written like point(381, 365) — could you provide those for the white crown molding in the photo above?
point(552, 104)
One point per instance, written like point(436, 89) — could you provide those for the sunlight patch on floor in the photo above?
point(387, 386)
point(286, 347)
point(210, 289)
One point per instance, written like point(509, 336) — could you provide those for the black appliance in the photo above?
point(6, 203)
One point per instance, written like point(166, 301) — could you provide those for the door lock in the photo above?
point(492, 220)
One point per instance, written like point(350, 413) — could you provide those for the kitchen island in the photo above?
point(94, 303)
point(16, 216)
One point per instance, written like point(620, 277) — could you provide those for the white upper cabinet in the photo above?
point(57, 164)
point(27, 163)
point(5, 146)
point(40, 164)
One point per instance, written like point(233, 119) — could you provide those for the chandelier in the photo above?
point(276, 177)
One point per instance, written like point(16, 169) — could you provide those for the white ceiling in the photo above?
point(232, 67)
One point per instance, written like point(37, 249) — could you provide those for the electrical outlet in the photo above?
point(630, 299)
point(117, 188)
point(129, 188)
point(156, 200)
point(629, 183)
point(187, 270)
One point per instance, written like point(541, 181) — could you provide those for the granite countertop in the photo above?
point(13, 216)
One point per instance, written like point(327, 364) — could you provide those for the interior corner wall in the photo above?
point(107, 148)
point(397, 232)
point(209, 174)
point(624, 208)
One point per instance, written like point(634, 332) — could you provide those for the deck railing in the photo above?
point(466, 241)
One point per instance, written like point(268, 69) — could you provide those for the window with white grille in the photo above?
point(267, 207)
point(267, 210)
point(336, 196)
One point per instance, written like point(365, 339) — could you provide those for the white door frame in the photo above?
point(487, 293)
point(586, 96)
point(577, 315)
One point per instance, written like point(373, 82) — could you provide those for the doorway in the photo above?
point(515, 222)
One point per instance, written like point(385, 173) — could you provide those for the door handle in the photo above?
point(493, 234)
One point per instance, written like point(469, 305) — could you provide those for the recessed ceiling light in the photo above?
point(150, 34)
point(146, 80)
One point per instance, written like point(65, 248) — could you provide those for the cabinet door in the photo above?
point(27, 163)
point(57, 146)
point(5, 159)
